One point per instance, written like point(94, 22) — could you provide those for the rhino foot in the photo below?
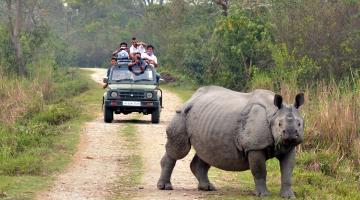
point(207, 187)
point(288, 193)
point(261, 192)
point(164, 186)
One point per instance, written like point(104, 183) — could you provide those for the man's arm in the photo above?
point(132, 63)
point(143, 44)
point(116, 51)
point(108, 72)
point(152, 63)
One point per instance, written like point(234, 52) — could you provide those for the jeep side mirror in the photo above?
point(105, 80)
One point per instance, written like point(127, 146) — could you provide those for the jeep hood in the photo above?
point(132, 87)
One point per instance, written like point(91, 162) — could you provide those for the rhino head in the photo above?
point(287, 125)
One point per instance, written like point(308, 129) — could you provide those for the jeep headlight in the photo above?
point(113, 94)
point(149, 95)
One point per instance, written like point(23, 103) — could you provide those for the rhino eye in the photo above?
point(280, 124)
point(299, 124)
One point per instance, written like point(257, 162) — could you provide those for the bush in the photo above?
point(240, 42)
point(42, 105)
point(57, 114)
point(260, 80)
point(332, 117)
point(326, 32)
point(335, 124)
point(322, 161)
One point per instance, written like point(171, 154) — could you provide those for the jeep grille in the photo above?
point(132, 95)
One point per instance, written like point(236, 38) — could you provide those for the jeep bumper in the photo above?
point(126, 106)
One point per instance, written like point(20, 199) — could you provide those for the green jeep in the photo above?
point(132, 91)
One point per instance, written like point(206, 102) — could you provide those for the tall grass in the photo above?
point(31, 111)
point(17, 96)
point(331, 110)
point(332, 115)
point(333, 119)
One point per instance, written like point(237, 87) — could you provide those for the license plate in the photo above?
point(131, 103)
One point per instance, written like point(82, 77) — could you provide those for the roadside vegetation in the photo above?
point(42, 138)
point(284, 46)
point(40, 113)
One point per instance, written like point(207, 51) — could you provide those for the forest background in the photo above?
point(285, 46)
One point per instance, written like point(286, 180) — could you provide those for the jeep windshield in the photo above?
point(123, 75)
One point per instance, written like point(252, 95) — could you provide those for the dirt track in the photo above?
point(97, 163)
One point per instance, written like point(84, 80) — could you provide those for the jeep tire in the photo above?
point(155, 116)
point(108, 115)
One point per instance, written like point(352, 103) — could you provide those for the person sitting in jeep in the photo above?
point(149, 56)
point(122, 53)
point(137, 65)
point(113, 64)
point(136, 47)
point(151, 59)
point(122, 46)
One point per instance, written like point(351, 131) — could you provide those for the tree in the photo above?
point(15, 32)
point(224, 4)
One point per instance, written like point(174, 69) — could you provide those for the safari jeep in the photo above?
point(132, 91)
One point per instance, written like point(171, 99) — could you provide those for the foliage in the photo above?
point(243, 41)
point(335, 124)
point(284, 46)
point(29, 136)
point(326, 32)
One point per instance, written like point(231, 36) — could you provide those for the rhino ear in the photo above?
point(299, 100)
point(278, 100)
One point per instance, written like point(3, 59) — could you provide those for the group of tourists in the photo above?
point(138, 50)
point(140, 54)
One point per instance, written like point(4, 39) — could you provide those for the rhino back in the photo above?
point(211, 124)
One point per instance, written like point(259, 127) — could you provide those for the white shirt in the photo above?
point(138, 49)
point(147, 56)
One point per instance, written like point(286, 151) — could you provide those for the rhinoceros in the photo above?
point(234, 131)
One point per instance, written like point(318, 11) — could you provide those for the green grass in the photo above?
point(307, 183)
point(317, 175)
point(183, 92)
point(61, 124)
point(132, 171)
point(21, 188)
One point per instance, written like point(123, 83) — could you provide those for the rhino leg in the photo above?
point(257, 164)
point(167, 165)
point(178, 143)
point(200, 169)
point(177, 147)
point(287, 163)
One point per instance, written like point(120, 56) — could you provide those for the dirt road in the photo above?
point(97, 163)
point(153, 139)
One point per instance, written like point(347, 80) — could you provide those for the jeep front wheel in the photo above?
point(108, 115)
point(155, 116)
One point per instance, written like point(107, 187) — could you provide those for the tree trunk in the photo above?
point(224, 4)
point(15, 34)
point(16, 39)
